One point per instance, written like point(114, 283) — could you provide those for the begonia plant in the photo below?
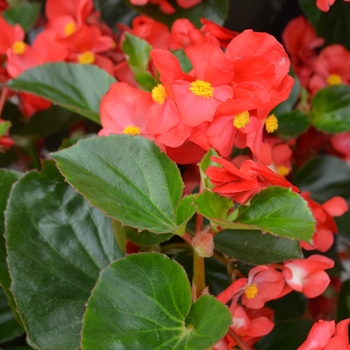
point(172, 180)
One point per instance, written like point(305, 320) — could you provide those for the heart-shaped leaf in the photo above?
point(24, 14)
point(279, 211)
point(77, 87)
point(144, 302)
point(127, 177)
point(56, 244)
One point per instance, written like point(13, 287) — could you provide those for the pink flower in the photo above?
point(308, 275)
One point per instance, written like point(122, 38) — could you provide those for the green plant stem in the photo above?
point(238, 340)
point(198, 263)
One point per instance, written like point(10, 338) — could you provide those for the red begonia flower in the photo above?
point(323, 237)
point(78, 9)
point(300, 40)
point(332, 67)
point(341, 143)
point(308, 275)
point(319, 336)
point(197, 100)
point(241, 184)
point(124, 110)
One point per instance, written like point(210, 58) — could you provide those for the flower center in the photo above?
point(202, 88)
point(159, 94)
point(69, 28)
point(252, 291)
point(271, 123)
point(86, 57)
point(132, 130)
point(334, 79)
point(241, 120)
point(19, 47)
point(282, 171)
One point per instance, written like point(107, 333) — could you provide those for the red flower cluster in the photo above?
point(250, 318)
point(219, 104)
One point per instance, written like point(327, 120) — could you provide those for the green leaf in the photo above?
point(144, 302)
point(287, 335)
point(4, 127)
point(9, 328)
point(279, 211)
point(185, 63)
point(77, 87)
point(331, 109)
point(292, 124)
point(215, 10)
point(325, 177)
point(24, 14)
point(336, 18)
point(57, 244)
point(137, 53)
point(343, 305)
point(253, 247)
point(184, 212)
point(7, 179)
point(203, 166)
point(214, 207)
point(50, 121)
point(127, 177)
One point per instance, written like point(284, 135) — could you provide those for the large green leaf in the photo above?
point(127, 177)
point(253, 247)
point(7, 179)
point(24, 14)
point(144, 302)
point(279, 211)
point(57, 244)
point(215, 10)
point(76, 87)
point(334, 25)
point(325, 177)
point(331, 109)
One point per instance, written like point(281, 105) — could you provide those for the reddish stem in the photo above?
point(238, 340)
point(3, 98)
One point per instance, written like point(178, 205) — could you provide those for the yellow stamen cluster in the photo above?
point(19, 47)
point(86, 57)
point(132, 130)
point(69, 28)
point(271, 123)
point(202, 88)
point(334, 79)
point(159, 94)
point(251, 292)
point(241, 120)
point(282, 171)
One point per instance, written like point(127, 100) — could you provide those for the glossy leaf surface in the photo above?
point(127, 177)
point(76, 87)
point(279, 211)
point(57, 244)
point(144, 302)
